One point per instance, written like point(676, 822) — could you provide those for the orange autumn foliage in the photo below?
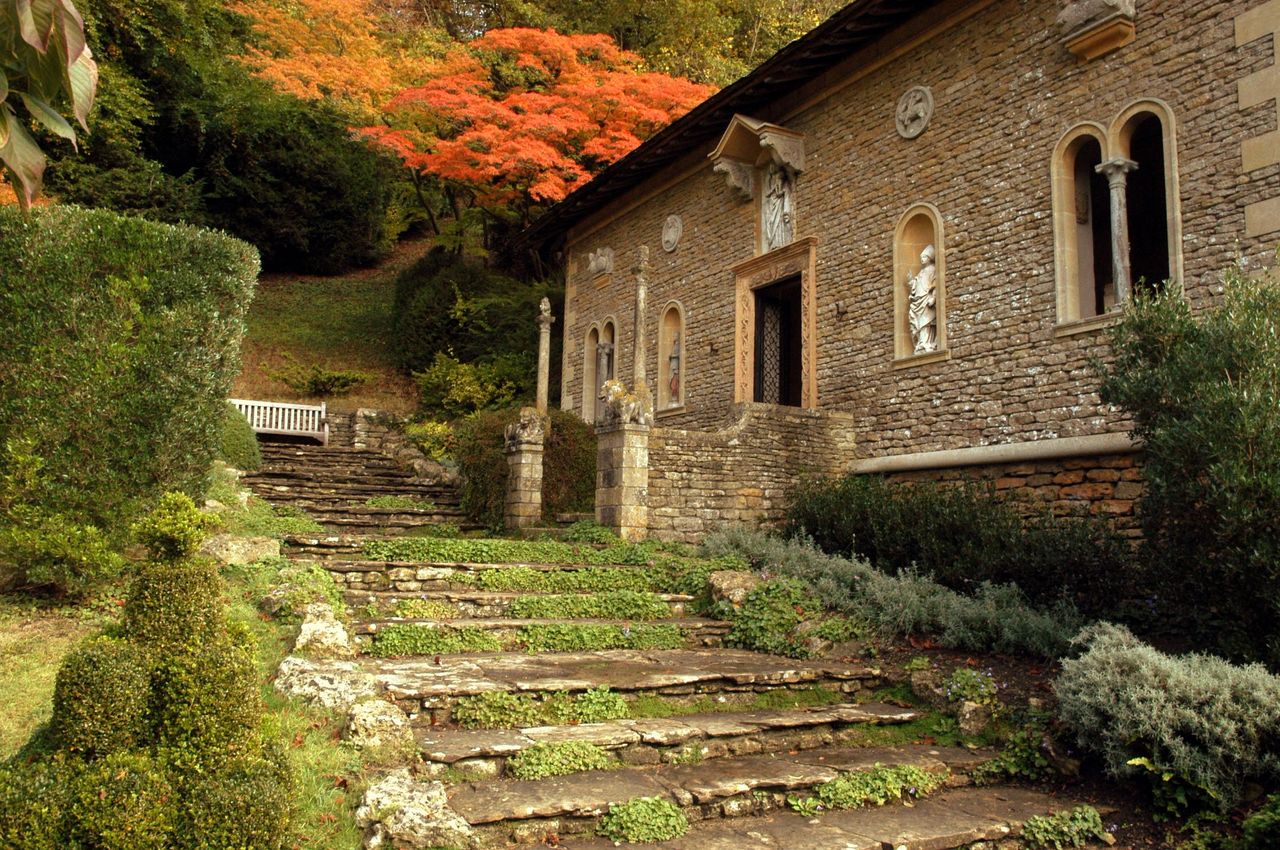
point(328, 50)
point(521, 117)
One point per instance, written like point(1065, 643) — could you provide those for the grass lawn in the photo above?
point(33, 640)
point(337, 322)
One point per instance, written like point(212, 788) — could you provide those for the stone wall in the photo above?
point(342, 432)
point(1006, 91)
point(741, 474)
point(1106, 487)
point(383, 432)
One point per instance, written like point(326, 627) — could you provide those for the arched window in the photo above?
point(590, 386)
point(1143, 135)
point(919, 285)
point(1082, 224)
point(671, 357)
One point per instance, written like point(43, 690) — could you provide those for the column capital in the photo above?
point(1116, 169)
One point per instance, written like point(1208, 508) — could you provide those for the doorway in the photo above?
point(778, 369)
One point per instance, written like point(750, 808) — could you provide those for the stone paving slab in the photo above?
point(623, 670)
point(452, 745)
point(948, 820)
point(588, 794)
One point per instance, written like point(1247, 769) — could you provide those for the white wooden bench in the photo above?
point(293, 420)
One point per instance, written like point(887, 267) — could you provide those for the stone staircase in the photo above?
point(336, 485)
point(726, 735)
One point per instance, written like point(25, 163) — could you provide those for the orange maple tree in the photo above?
point(331, 50)
point(518, 118)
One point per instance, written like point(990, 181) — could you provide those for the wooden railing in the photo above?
point(295, 420)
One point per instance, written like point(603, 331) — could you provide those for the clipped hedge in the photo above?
point(101, 697)
point(962, 536)
point(237, 444)
point(121, 339)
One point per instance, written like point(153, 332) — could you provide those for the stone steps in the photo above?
point(948, 820)
point(414, 576)
point(476, 603)
point(427, 689)
point(730, 787)
point(696, 631)
point(661, 740)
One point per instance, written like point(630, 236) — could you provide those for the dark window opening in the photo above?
point(1093, 236)
point(778, 374)
point(1148, 206)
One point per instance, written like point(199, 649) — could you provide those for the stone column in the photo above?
point(622, 479)
point(524, 465)
point(544, 354)
point(639, 349)
point(1116, 171)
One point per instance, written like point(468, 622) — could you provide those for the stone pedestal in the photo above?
point(524, 464)
point(622, 479)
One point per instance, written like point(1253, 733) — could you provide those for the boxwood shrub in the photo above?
point(101, 697)
point(121, 338)
point(237, 444)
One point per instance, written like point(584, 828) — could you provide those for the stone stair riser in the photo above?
point(438, 709)
point(760, 800)
point(696, 636)
point(465, 603)
point(404, 576)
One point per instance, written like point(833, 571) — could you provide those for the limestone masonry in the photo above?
point(902, 240)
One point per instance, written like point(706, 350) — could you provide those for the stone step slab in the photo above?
point(663, 740)
point(698, 631)
point(718, 788)
point(480, 604)
point(950, 819)
point(427, 688)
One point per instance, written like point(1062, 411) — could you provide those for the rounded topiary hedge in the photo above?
point(237, 444)
point(101, 697)
point(121, 339)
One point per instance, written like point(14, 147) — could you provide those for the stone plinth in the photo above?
point(525, 440)
point(622, 479)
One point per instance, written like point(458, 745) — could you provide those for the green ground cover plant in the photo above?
point(412, 503)
point(875, 787)
point(313, 380)
point(995, 618)
point(605, 605)
point(425, 609)
point(559, 759)
point(963, 536)
point(578, 637)
point(506, 710)
point(418, 639)
point(643, 820)
point(255, 517)
point(1070, 828)
point(565, 581)
point(1198, 727)
point(770, 618)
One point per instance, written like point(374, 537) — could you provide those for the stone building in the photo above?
point(897, 244)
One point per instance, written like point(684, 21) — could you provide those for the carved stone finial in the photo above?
point(1092, 28)
point(528, 429)
point(544, 311)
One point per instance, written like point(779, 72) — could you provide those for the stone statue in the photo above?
point(544, 308)
point(673, 368)
point(619, 406)
point(776, 207)
point(922, 313)
point(529, 428)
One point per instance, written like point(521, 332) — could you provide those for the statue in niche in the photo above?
point(776, 207)
point(922, 312)
point(673, 368)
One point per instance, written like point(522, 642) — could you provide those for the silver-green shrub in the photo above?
point(996, 617)
point(1213, 724)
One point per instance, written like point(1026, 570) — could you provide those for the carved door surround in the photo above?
point(799, 259)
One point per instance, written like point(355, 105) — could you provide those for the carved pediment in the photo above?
point(748, 144)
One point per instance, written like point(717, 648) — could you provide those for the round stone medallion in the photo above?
point(915, 108)
point(672, 230)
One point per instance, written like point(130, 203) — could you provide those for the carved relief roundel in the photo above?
point(915, 108)
point(672, 230)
